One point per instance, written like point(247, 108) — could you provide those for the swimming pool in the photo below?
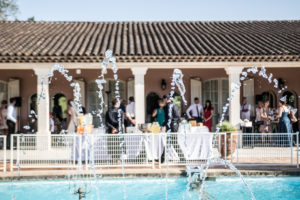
point(154, 189)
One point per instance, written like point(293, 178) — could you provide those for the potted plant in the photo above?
point(228, 129)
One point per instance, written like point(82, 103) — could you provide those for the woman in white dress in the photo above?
point(73, 117)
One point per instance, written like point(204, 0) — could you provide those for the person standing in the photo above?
point(112, 118)
point(258, 120)
point(11, 120)
point(114, 124)
point(73, 117)
point(208, 114)
point(159, 113)
point(265, 115)
point(130, 112)
point(245, 110)
point(172, 119)
point(197, 111)
point(284, 124)
point(3, 117)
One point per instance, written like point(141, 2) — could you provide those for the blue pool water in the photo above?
point(154, 189)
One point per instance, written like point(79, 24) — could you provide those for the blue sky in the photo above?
point(158, 10)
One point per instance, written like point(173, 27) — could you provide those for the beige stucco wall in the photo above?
point(154, 76)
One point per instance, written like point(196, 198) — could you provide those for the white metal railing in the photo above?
point(100, 150)
point(265, 148)
point(67, 151)
point(3, 153)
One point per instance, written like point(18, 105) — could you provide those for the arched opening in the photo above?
point(291, 98)
point(178, 101)
point(32, 120)
point(59, 106)
point(33, 103)
point(151, 103)
point(3, 91)
point(216, 90)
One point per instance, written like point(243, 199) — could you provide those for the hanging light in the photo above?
point(163, 84)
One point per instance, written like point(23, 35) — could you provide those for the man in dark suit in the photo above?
point(172, 120)
point(114, 126)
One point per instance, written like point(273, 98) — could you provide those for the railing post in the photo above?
point(237, 146)
point(220, 138)
point(297, 137)
point(225, 143)
point(80, 152)
point(74, 149)
point(231, 147)
point(86, 137)
point(11, 152)
point(92, 152)
point(18, 150)
point(159, 150)
point(4, 156)
point(152, 150)
point(291, 146)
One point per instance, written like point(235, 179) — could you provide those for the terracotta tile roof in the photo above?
point(150, 41)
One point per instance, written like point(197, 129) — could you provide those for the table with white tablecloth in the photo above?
point(195, 144)
point(154, 146)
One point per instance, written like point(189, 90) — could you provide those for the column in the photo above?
point(139, 93)
point(234, 104)
point(43, 106)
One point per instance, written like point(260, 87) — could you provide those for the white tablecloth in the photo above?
point(195, 144)
point(154, 146)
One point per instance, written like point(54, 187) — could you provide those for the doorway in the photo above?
point(59, 106)
point(152, 104)
point(217, 92)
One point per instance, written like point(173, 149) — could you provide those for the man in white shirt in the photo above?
point(245, 109)
point(197, 111)
point(130, 112)
point(11, 119)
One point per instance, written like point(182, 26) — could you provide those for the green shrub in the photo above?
point(226, 127)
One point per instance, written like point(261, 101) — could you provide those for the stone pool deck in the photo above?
point(149, 172)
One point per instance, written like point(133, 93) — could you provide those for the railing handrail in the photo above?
point(62, 143)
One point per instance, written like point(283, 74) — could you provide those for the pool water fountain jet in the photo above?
point(244, 75)
point(177, 80)
point(100, 81)
point(109, 58)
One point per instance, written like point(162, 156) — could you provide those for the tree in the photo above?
point(8, 8)
point(31, 19)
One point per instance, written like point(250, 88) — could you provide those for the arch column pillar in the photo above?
point(43, 104)
point(139, 93)
point(234, 104)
